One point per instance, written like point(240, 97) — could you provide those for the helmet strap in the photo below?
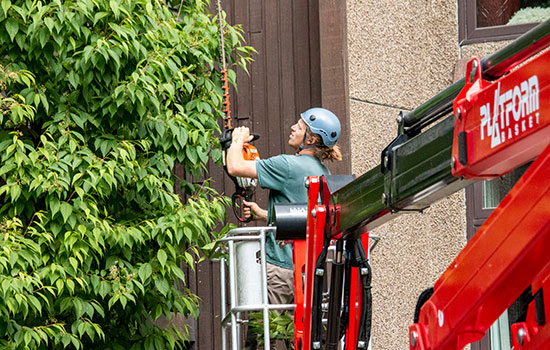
point(303, 145)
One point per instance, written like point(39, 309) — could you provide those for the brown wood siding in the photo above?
point(333, 71)
point(289, 75)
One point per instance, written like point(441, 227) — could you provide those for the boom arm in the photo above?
point(416, 168)
point(500, 120)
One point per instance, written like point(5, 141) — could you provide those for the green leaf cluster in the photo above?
point(281, 327)
point(100, 100)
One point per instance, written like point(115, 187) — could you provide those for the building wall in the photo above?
point(401, 53)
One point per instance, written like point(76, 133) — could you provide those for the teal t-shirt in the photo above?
point(284, 176)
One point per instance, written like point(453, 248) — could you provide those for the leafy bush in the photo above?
point(281, 327)
point(100, 100)
point(530, 15)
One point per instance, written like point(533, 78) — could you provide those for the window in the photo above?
point(495, 190)
point(500, 333)
point(493, 20)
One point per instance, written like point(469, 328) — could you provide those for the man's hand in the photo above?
point(252, 208)
point(236, 164)
point(241, 135)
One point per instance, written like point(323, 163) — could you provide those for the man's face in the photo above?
point(297, 132)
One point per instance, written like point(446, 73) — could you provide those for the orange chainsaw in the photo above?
point(244, 186)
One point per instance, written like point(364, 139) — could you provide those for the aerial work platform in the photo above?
point(494, 120)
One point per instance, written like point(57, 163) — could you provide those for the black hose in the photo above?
point(335, 298)
point(344, 318)
point(365, 322)
point(316, 312)
point(422, 299)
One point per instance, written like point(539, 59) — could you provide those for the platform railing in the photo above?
point(246, 265)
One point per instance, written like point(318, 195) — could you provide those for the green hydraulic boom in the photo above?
point(415, 168)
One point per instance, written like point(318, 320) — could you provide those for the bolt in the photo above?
point(316, 345)
point(453, 162)
point(400, 118)
point(414, 338)
point(440, 318)
point(384, 198)
point(313, 213)
point(473, 72)
point(458, 113)
point(361, 345)
point(319, 272)
point(307, 183)
point(520, 336)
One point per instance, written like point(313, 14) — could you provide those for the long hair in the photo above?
point(323, 152)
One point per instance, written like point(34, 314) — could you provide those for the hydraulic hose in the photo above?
point(316, 312)
point(365, 322)
point(344, 318)
point(335, 298)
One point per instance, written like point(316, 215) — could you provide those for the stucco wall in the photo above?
point(401, 53)
point(389, 40)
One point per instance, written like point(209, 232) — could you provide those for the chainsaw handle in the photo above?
point(225, 138)
point(247, 196)
point(255, 136)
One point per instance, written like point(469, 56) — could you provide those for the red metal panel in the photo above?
point(315, 245)
point(302, 317)
point(356, 300)
point(300, 251)
point(505, 123)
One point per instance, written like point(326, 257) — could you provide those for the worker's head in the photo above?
point(318, 129)
point(324, 123)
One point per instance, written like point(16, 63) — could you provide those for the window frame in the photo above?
point(469, 33)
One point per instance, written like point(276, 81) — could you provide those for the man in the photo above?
point(314, 138)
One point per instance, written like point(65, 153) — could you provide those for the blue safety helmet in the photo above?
point(324, 123)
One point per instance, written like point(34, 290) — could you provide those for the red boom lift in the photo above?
point(491, 122)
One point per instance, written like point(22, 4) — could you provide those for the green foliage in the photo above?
point(281, 327)
point(530, 15)
point(99, 102)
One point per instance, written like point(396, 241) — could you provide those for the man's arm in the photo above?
point(236, 164)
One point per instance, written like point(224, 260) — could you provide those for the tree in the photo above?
point(99, 101)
